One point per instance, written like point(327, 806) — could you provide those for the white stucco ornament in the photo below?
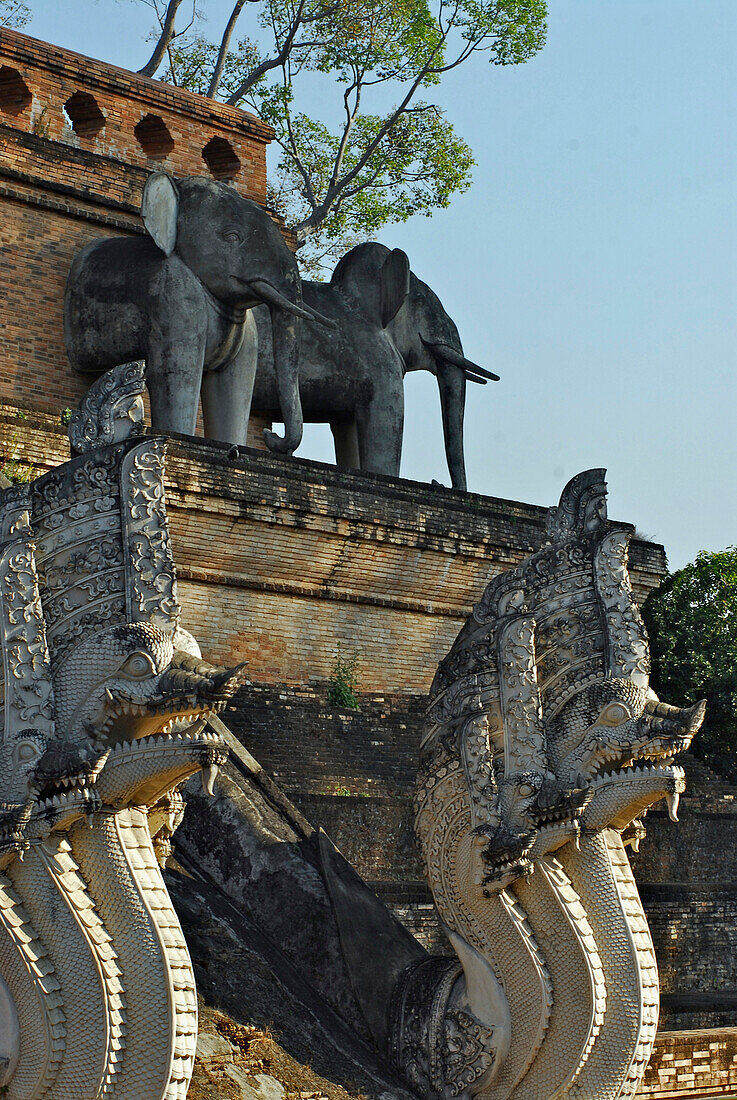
point(543, 746)
point(103, 717)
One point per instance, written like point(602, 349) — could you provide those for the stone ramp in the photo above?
point(246, 883)
point(279, 1021)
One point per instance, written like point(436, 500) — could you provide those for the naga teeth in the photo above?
point(209, 775)
point(672, 800)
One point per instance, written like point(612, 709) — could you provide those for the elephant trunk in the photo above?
point(452, 386)
point(286, 332)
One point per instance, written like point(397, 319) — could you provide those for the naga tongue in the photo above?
point(209, 775)
point(672, 800)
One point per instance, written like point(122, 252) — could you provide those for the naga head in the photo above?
point(554, 663)
point(106, 698)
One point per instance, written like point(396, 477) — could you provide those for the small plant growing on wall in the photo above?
point(343, 681)
point(11, 469)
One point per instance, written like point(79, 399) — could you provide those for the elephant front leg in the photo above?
point(380, 425)
point(174, 378)
point(227, 392)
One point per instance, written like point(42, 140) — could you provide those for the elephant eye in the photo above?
point(232, 237)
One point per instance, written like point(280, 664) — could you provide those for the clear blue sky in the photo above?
point(593, 264)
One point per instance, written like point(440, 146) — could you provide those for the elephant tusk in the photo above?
point(473, 372)
point(269, 294)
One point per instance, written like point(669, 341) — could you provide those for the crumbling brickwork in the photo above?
point(692, 1063)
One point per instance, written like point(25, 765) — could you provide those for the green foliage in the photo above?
point(10, 468)
point(343, 682)
point(692, 623)
point(66, 416)
point(378, 151)
point(14, 13)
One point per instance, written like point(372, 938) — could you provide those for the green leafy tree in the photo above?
point(14, 13)
point(380, 151)
point(692, 623)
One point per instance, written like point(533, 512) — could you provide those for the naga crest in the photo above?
point(103, 716)
point(543, 746)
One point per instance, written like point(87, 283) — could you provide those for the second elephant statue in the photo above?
point(181, 299)
point(387, 322)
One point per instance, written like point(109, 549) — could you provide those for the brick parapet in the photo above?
point(70, 177)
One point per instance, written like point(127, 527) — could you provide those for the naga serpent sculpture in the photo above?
point(103, 717)
point(543, 747)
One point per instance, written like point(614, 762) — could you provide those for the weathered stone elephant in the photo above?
point(180, 300)
point(388, 322)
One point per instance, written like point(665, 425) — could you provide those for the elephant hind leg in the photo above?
point(345, 438)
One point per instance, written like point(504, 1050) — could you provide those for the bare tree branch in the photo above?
point(271, 63)
point(308, 192)
point(224, 47)
point(307, 225)
point(165, 38)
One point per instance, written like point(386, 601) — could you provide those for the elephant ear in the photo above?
point(394, 283)
point(159, 209)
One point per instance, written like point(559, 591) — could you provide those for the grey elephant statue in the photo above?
point(181, 299)
point(388, 322)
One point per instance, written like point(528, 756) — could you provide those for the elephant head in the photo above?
point(239, 256)
point(421, 330)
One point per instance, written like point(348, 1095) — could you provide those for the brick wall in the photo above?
point(52, 76)
point(61, 187)
point(697, 1063)
point(281, 560)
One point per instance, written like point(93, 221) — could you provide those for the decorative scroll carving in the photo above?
point(627, 648)
point(151, 585)
point(27, 676)
point(111, 410)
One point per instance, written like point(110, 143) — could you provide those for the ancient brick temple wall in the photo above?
point(280, 560)
point(78, 139)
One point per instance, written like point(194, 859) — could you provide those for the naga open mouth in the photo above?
point(621, 796)
point(141, 770)
point(188, 691)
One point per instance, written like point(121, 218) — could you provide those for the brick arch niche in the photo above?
point(220, 157)
point(15, 95)
point(85, 117)
point(152, 134)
